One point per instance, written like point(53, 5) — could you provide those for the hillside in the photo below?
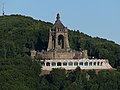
point(19, 34)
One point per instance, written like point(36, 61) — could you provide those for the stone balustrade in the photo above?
point(71, 64)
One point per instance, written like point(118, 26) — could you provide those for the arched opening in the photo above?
point(64, 63)
point(61, 41)
point(101, 63)
point(75, 63)
point(53, 41)
point(81, 63)
point(59, 64)
point(90, 63)
point(47, 64)
point(94, 63)
point(98, 63)
point(70, 63)
point(53, 64)
point(86, 63)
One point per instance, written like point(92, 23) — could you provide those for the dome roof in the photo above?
point(58, 23)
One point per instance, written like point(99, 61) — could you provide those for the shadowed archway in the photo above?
point(61, 41)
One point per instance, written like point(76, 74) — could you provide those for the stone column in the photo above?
point(56, 39)
point(67, 47)
point(50, 44)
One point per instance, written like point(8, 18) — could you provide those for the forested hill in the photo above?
point(20, 34)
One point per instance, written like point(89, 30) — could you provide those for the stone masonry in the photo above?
point(58, 45)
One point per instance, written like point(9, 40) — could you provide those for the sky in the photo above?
point(97, 18)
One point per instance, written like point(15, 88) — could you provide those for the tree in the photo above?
point(57, 77)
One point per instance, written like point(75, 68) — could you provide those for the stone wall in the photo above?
point(87, 64)
point(33, 54)
point(62, 55)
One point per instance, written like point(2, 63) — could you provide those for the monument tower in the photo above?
point(58, 37)
point(58, 45)
point(59, 54)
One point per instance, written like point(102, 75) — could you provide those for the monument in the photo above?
point(60, 55)
point(58, 45)
point(58, 37)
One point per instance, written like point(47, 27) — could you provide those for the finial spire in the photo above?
point(58, 16)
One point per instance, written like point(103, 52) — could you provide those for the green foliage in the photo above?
point(21, 73)
point(20, 34)
point(59, 79)
point(18, 73)
point(97, 47)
